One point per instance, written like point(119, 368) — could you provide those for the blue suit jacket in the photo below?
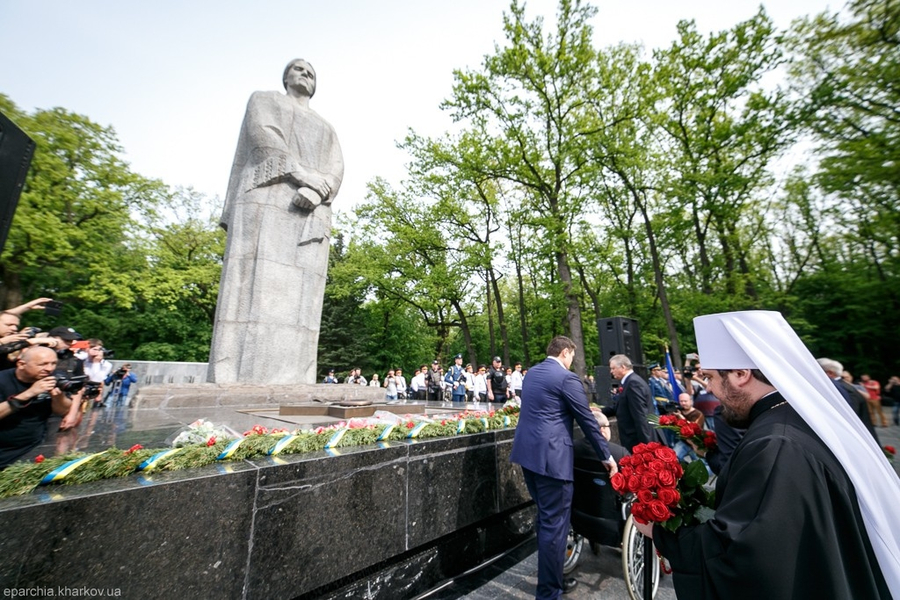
point(551, 397)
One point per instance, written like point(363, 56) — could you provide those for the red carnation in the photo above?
point(211, 441)
point(134, 448)
point(39, 458)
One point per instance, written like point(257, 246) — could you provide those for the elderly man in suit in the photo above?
point(632, 405)
point(552, 396)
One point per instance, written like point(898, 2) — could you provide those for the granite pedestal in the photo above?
point(385, 521)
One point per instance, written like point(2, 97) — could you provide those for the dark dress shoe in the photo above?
point(569, 585)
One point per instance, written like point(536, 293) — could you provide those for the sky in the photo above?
point(172, 77)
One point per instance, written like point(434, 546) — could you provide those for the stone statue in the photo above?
point(287, 170)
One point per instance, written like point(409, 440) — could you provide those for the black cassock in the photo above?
point(787, 522)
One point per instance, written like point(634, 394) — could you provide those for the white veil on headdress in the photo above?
point(764, 340)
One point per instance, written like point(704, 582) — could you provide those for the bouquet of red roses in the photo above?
point(702, 441)
point(665, 491)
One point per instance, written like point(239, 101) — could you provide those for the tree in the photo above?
point(528, 109)
point(72, 229)
point(723, 130)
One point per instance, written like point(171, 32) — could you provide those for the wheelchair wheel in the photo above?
point(574, 546)
point(634, 561)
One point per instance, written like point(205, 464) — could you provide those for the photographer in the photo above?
point(120, 382)
point(693, 385)
point(69, 368)
point(97, 369)
point(12, 340)
point(30, 396)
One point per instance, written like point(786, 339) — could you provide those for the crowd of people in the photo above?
point(43, 374)
point(457, 383)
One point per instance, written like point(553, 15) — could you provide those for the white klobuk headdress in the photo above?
point(763, 340)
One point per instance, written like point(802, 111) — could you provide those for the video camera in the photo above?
point(108, 354)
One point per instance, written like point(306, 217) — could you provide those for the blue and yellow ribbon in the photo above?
point(60, 472)
point(506, 420)
point(461, 427)
point(484, 421)
point(150, 463)
point(417, 429)
point(386, 432)
point(336, 438)
point(230, 449)
point(281, 445)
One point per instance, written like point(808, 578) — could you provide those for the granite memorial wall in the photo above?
point(387, 521)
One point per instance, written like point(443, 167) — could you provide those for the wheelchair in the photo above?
point(601, 517)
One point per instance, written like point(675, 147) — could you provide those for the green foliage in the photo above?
point(578, 183)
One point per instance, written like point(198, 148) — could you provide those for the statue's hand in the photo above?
point(314, 180)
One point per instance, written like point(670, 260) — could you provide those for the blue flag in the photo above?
point(676, 389)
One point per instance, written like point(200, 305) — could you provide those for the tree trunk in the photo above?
point(501, 321)
point(573, 311)
point(467, 333)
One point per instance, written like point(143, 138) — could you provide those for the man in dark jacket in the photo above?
point(632, 406)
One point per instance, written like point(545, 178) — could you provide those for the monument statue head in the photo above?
point(299, 72)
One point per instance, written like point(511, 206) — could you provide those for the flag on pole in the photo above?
point(676, 389)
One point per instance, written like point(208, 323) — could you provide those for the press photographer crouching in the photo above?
point(120, 383)
point(30, 395)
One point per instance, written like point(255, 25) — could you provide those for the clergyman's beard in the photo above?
point(736, 406)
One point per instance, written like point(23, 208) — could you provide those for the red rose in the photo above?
point(686, 431)
point(657, 465)
point(634, 483)
point(677, 470)
point(134, 448)
point(891, 449)
point(670, 459)
point(618, 482)
point(659, 512)
point(211, 441)
point(645, 496)
point(39, 458)
point(666, 478)
point(648, 480)
point(626, 471)
point(637, 450)
point(640, 512)
point(663, 453)
point(668, 496)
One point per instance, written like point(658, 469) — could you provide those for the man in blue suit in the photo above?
point(551, 397)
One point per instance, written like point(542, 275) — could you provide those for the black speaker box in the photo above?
point(620, 335)
point(16, 152)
